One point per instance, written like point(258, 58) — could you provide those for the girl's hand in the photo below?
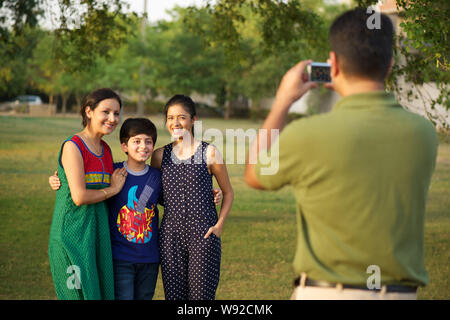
point(54, 181)
point(217, 193)
point(217, 230)
point(118, 179)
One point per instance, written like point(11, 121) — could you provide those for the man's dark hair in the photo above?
point(361, 51)
point(134, 126)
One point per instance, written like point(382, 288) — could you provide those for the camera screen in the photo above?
point(320, 74)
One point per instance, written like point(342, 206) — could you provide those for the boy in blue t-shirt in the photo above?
point(133, 224)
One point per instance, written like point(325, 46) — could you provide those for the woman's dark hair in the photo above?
point(134, 126)
point(362, 51)
point(94, 98)
point(184, 101)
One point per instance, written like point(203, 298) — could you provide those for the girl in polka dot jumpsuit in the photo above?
point(190, 245)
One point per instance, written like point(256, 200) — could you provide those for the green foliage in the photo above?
point(231, 49)
point(422, 52)
point(89, 31)
point(425, 46)
point(18, 38)
point(260, 40)
point(65, 60)
point(178, 61)
point(21, 14)
point(44, 72)
point(277, 24)
point(234, 49)
point(15, 50)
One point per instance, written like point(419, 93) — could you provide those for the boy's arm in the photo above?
point(54, 181)
point(161, 199)
point(156, 163)
point(157, 158)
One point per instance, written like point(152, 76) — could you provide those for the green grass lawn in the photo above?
point(258, 243)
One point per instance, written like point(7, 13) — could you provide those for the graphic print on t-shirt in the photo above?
point(134, 226)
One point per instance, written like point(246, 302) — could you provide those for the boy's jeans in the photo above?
point(134, 281)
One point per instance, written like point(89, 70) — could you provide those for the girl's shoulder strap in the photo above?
point(205, 144)
point(168, 146)
point(167, 149)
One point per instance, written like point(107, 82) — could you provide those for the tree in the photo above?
point(260, 39)
point(42, 70)
point(19, 14)
point(175, 60)
point(422, 54)
point(18, 37)
point(227, 58)
point(87, 34)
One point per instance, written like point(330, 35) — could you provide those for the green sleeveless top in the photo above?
point(79, 247)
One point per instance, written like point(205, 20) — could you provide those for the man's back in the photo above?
point(360, 175)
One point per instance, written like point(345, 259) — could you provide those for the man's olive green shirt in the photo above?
point(360, 175)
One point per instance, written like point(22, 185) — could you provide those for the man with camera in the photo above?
point(360, 173)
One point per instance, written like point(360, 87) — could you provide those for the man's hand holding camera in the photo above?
point(293, 86)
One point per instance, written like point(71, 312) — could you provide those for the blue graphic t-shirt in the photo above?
point(134, 234)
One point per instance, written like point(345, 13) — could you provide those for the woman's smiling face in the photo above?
point(179, 121)
point(105, 117)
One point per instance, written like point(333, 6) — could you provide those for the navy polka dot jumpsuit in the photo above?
point(190, 264)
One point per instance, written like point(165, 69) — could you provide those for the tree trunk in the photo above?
point(64, 98)
point(227, 110)
point(141, 98)
point(79, 100)
point(227, 104)
point(140, 103)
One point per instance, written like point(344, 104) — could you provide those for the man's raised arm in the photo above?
point(292, 87)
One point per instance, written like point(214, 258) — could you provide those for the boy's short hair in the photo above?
point(361, 51)
point(134, 126)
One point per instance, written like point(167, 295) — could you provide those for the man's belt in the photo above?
point(325, 284)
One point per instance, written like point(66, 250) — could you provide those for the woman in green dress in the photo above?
point(79, 246)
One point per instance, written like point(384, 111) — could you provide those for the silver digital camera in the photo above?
point(319, 72)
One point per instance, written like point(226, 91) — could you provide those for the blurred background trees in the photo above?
point(229, 50)
point(232, 51)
